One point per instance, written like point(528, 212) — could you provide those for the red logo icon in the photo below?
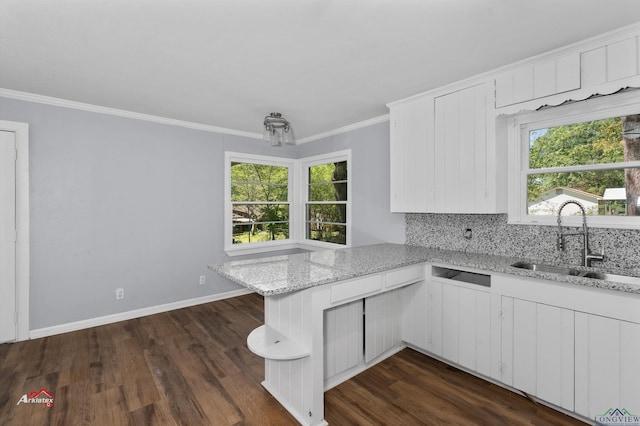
point(42, 396)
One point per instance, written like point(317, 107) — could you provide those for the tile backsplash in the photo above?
point(490, 234)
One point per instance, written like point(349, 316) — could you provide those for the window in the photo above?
point(327, 199)
point(258, 207)
point(588, 151)
point(266, 210)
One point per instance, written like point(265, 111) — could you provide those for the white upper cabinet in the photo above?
point(538, 80)
point(465, 163)
point(612, 62)
point(443, 154)
point(411, 155)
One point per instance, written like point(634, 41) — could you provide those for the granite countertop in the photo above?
point(282, 274)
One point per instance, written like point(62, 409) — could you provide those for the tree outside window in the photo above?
point(326, 210)
point(260, 202)
point(586, 160)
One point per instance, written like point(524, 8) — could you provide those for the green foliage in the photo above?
point(327, 184)
point(258, 183)
point(594, 142)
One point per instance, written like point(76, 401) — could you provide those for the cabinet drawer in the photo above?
point(356, 288)
point(403, 276)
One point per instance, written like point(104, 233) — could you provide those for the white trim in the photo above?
point(47, 100)
point(21, 131)
point(137, 313)
point(614, 105)
point(330, 157)
point(64, 103)
point(345, 129)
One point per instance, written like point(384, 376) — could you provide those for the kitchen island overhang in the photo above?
point(301, 290)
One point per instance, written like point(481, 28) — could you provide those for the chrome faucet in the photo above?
point(587, 256)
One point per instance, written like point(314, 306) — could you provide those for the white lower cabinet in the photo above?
point(434, 317)
point(360, 331)
point(607, 365)
point(415, 321)
point(459, 325)
point(538, 350)
point(343, 337)
point(382, 324)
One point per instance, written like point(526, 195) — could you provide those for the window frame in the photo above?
point(306, 163)
point(261, 246)
point(298, 182)
point(518, 134)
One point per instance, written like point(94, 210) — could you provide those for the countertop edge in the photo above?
point(407, 256)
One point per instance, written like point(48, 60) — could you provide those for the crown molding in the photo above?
point(48, 100)
point(345, 129)
point(64, 103)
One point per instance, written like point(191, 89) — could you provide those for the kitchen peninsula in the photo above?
point(331, 314)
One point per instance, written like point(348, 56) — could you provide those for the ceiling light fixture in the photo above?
point(277, 130)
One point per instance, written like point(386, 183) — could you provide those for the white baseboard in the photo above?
point(137, 313)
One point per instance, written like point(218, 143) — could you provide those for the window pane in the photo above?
point(254, 233)
point(327, 213)
point(260, 212)
point(328, 192)
point(326, 210)
point(329, 172)
point(329, 233)
point(258, 192)
point(592, 142)
point(602, 192)
point(250, 172)
point(258, 182)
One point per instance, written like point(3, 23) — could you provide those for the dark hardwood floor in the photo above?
point(192, 367)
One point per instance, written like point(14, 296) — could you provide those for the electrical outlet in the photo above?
point(468, 233)
point(202, 279)
point(119, 293)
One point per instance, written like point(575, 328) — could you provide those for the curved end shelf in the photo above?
point(268, 343)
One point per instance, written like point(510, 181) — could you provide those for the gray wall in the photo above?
point(372, 221)
point(117, 202)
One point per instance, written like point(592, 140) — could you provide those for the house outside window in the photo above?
point(588, 151)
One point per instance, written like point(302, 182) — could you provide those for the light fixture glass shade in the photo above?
point(288, 136)
point(277, 130)
point(276, 138)
point(266, 134)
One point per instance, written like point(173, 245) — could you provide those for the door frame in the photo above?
point(21, 131)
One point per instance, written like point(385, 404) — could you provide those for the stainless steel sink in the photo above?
point(547, 268)
point(577, 272)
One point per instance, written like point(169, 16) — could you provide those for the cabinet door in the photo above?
point(411, 156)
point(434, 317)
point(607, 367)
point(415, 315)
point(343, 337)
point(538, 350)
point(462, 159)
point(382, 323)
point(459, 325)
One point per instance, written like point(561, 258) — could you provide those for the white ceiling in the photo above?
point(323, 64)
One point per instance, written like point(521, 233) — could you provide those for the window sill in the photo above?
point(279, 249)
